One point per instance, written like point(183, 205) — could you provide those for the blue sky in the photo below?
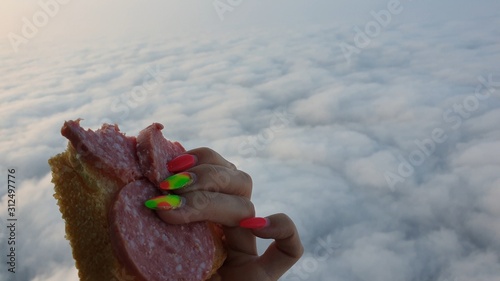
point(386, 155)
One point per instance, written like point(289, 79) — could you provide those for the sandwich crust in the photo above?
point(83, 198)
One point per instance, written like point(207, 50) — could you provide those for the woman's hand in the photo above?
point(214, 190)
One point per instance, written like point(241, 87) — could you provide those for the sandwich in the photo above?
point(101, 183)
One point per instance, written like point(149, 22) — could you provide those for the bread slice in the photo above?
point(85, 190)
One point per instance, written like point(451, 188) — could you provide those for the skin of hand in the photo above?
point(221, 193)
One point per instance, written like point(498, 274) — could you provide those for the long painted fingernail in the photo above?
point(177, 181)
point(254, 223)
point(165, 202)
point(181, 163)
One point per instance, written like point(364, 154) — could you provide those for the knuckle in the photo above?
point(247, 183)
point(219, 178)
point(231, 166)
point(209, 153)
point(199, 200)
point(202, 169)
point(246, 178)
point(247, 207)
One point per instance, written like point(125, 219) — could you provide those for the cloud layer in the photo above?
point(387, 160)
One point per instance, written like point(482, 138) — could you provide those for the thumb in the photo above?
point(286, 249)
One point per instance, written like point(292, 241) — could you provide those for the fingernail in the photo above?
point(165, 202)
point(177, 181)
point(181, 163)
point(254, 223)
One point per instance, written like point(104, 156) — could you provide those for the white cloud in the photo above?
point(317, 135)
point(69, 274)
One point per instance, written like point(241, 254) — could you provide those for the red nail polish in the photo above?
point(254, 223)
point(181, 163)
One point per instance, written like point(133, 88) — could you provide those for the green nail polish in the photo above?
point(165, 202)
point(177, 181)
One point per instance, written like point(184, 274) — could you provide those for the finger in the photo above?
point(227, 210)
point(205, 155)
point(239, 241)
point(212, 178)
point(286, 249)
point(216, 207)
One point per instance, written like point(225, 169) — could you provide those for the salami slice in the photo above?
point(106, 151)
point(154, 151)
point(152, 249)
